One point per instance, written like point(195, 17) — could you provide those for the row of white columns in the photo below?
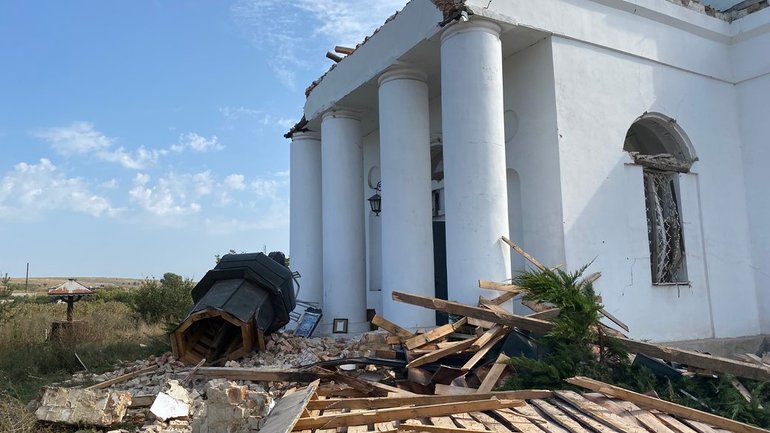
point(327, 244)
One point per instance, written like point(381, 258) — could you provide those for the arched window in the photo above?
point(659, 145)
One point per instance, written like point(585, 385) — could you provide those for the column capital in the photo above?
point(401, 72)
point(341, 112)
point(474, 25)
point(305, 135)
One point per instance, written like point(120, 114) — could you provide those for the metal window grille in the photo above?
point(664, 226)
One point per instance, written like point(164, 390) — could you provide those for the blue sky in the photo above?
point(145, 137)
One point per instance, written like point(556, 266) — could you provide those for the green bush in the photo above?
point(167, 300)
point(113, 294)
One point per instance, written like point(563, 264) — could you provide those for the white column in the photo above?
point(474, 157)
point(305, 240)
point(407, 218)
point(344, 250)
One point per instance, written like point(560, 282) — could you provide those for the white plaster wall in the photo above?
point(532, 149)
point(599, 93)
point(372, 222)
point(753, 95)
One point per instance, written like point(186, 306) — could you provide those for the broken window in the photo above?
point(664, 226)
point(655, 142)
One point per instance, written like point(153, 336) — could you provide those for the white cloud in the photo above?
point(82, 138)
point(264, 188)
point(78, 138)
point(235, 182)
point(283, 29)
point(140, 159)
point(197, 143)
point(31, 190)
point(167, 197)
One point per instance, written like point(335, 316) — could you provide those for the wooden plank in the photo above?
point(507, 296)
point(524, 254)
point(287, 411)
point(548, 314)
point(412, 425)
point(434, 334)
point(708, 362)
point(699, 426)
point(482, 352)
point(494, 374)
point(645, 418)
point(614, 319)
point(123, 378)
point(598, 412)
point(489, 422)
point(467, 422)
point(401, 413)
point(257, 374)
point(673, 423)
point(391, 327)
point(490, 306)
point(507, 319)
point(369, 388)
point(518, 422)
point(582, 418)
point(472, 321)
point(415, 400)
point(501, 287)
point(665, 406)
point(442, 421)
point(489, 335)
point(458, 346)
point(559, 417)
point(531, 414)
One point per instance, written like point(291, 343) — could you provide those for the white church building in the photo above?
point(633, 134)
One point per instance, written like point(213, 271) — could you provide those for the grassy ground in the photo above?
point(109, 333)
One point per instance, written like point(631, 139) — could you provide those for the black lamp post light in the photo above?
point(375, 201)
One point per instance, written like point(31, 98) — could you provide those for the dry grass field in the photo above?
point(41, 284)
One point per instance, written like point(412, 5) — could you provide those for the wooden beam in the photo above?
point(598, 412)
point(548, 314)
point(413, 426)
point(507, 296)
point(401, 413)
point(482, 352)
point(391, 327)
point(494, 374)
point(257, 374)
point(502, 287)
point(524, 254)
point(344, 50)
point(707, 362)
point(700, 360)
point(479, 313)
point(457, 346)
point(434, 334)
point(664, 406)
point(614, 319)
point(415, 400)
point(123, 378)
point(489, 335)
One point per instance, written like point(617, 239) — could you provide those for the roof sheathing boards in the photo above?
point(417, 22)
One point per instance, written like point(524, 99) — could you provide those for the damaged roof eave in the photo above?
point(418, 21)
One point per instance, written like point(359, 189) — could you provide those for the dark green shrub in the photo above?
point(167, 300)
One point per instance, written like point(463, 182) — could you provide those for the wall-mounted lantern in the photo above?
point(375, 201)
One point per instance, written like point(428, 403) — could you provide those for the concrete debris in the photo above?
point(232, 408)
point(172, 403)
point(82, 406)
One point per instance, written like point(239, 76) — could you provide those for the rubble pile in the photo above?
point(396, 380)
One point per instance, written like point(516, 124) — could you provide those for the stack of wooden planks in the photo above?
point(324, 409)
